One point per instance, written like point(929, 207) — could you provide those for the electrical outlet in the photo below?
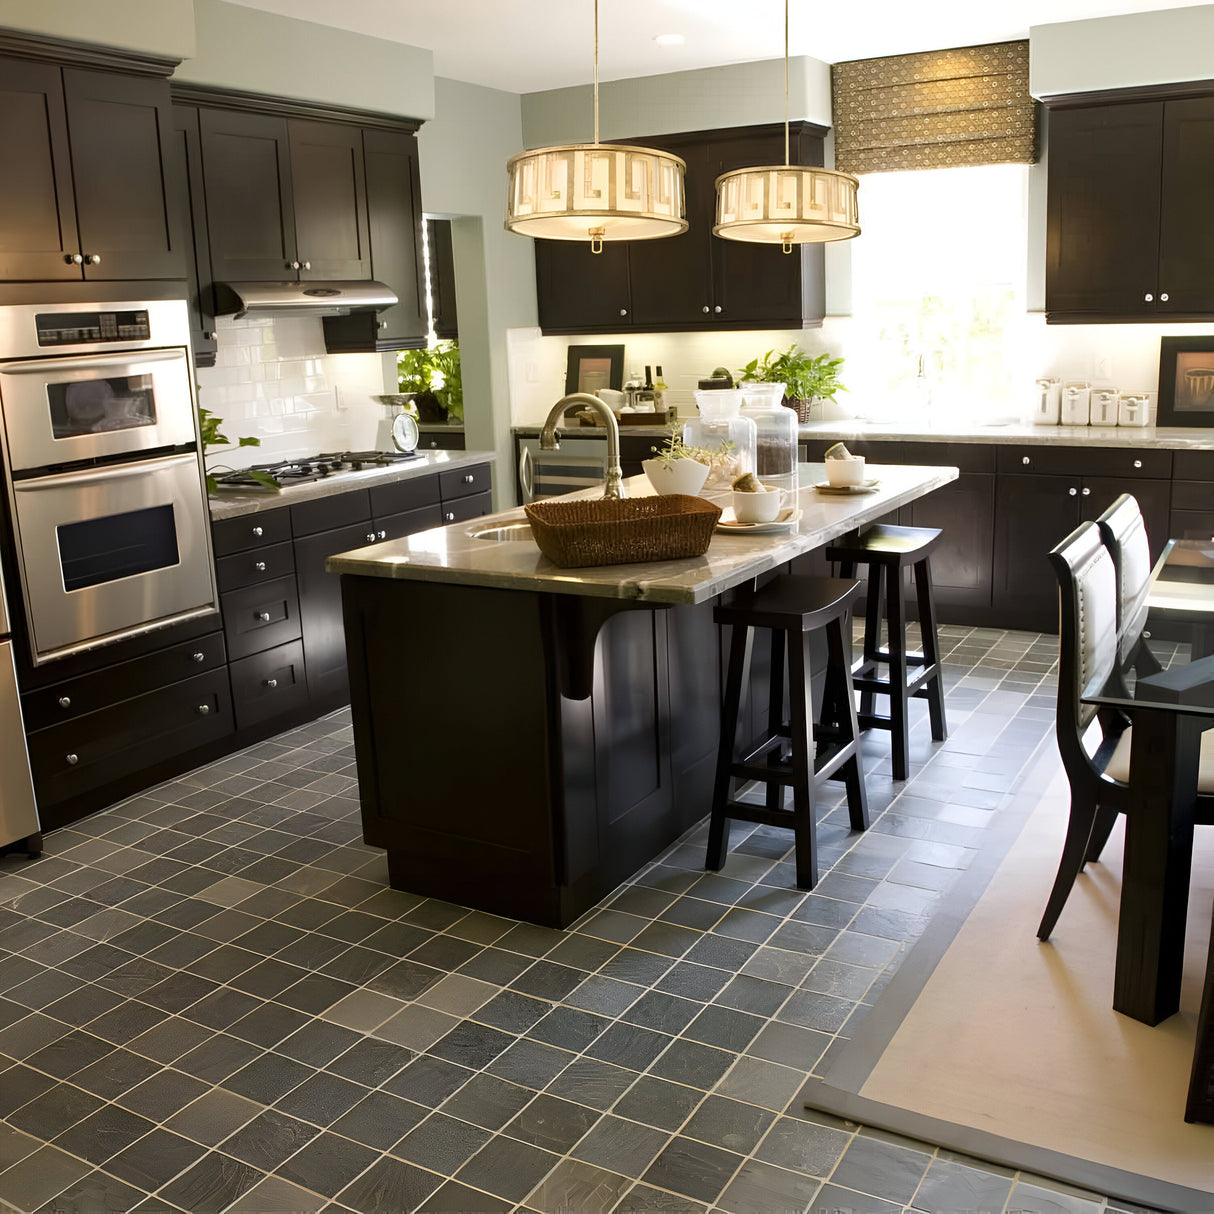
point(533, 371)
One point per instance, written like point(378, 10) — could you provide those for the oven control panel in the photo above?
point(87, 328)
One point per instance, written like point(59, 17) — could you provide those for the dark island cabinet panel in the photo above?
point(250, 206)
point(38, 237)
point(961, 565)
point(330, 192)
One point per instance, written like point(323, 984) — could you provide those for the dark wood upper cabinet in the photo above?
point(330, 193)
point(442, 278)
point(1127, 232)
point(696, 280)
point(88, 178)
point(190, 213)
point(250, 206)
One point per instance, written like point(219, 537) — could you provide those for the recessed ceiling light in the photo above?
point(669, 39)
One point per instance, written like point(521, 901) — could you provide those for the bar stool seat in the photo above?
point(888, 551)
point(792, 607)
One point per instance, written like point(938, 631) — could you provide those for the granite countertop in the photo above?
point(1179, 438)
point(232, 503)
point(452, 554)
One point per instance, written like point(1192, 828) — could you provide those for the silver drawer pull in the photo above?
point(72, 759)
point(469, 479)
point(264, 616)
point(200, 657)
point(258, 531)
point(370, 537)
point(1163, 297)
point(623, 311)
point(705, 309)
point(1073, 492)
point(381, 535)
point(65, 701)
point(1087, 492)
point(271, 683)
point(450, 516)
point(1138, 463)
point(1024, 459)
point(92, 259)
point(1149, 297)
point(260, 566)
point(73, 259)
point(204, 709)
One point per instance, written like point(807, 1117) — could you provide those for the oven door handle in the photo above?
point(99, 362)
point(141, 468)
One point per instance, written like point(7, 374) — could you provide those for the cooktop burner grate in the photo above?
point(312, 468)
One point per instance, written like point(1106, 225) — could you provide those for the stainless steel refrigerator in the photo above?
point(19, 826)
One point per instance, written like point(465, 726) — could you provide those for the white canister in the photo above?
point(1134, 409)
point(1049, 402)
point(1104, 406)
point(1076, 404)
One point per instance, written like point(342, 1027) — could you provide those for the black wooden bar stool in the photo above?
point(888, 551)
point(791, 607)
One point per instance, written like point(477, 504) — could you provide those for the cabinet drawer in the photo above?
point(463, 482)
point(90, 692)
point(467, 507)
point(394, 526)
point(1191, 525)
point(1192, 495)
point(251, 531)
point(129, 736)
point(260, 617)
point(1086, 461)
point(269, 684)
point(327, 513)
point(409, 494)
point(1194, 465)
point(250, 568)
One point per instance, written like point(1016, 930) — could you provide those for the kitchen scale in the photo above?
point(398, 430)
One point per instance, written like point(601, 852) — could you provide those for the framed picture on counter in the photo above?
point(1186, 381)
point(593, 367)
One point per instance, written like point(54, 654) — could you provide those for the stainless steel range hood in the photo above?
point(301, 298)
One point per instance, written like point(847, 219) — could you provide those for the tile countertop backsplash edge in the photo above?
point(237, 502)
point(1176, 438)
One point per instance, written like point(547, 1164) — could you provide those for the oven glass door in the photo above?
point(109, 553)
point(60, 410)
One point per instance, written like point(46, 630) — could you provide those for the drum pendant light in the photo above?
point(786, 204)
point(595, 191)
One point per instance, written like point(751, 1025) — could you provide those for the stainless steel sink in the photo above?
point(508, 531)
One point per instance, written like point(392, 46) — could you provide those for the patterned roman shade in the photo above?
point(934, 110)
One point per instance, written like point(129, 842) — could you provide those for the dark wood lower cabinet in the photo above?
point(270, 684)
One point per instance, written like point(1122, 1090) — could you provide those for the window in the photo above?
point(938, 284)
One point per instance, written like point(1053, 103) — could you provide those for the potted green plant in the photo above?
point(212, 436)
point(433, 377)
point(678, 468)
point(807, 378)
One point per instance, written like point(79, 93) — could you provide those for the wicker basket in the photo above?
point(621, 531)
point(802, 406)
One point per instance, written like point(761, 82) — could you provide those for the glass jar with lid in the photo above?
point(776, 433)
point(721, 430)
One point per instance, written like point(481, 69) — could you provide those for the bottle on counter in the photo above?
point(659, 392)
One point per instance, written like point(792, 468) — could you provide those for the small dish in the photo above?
point(869, 486)
point(786, 520)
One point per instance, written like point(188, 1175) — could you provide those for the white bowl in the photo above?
point(680, 476)
point(845, 471)
point(756, 507)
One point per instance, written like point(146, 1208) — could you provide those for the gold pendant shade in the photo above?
point(786, 204)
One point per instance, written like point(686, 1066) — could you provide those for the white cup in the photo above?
point(845, 471)
point(757, 507)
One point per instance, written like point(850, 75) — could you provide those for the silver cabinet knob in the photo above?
point(623, 311)
point(307, 265)
point(1138, 463)
point(73, 259)
point(200, 657)
point(65, 701)
point(450, 516)
point(1024, 459)
point(381, 535)
point(1149, 297)
point(383, 324)
point(92, 259)
point(1086, 491)
point(264, 616)
point(292, 265)
point(469, 479)
point(1073, 492)
point(204, 709)
point(370, 537)
point(258, 531)
point(72, 759)
point(1163, 297)
point(260, 566)
point(271, 683)
point(705, 309)
point(717, 308)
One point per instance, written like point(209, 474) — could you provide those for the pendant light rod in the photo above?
point(786, 159)
point(596, 69)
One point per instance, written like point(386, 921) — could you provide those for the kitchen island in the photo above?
point(564, 728)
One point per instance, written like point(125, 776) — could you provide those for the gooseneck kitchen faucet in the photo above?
point(613, 480)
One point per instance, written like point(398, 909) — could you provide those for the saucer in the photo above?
point(869, 486)
point(786, 520)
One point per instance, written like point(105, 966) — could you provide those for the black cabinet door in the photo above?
point(394, 202)
point(329, 190)
point(324, 637)
point(1154, 500)
point(38, 239)
point(579, 291)
point(1032, 514)
point(1102, 211)
point(442, 278)
point(190, 213)
point(961, 565)
point(122, 141)
point(1186, 235)
point(246, 167)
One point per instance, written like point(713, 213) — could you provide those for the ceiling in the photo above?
point(525, 46)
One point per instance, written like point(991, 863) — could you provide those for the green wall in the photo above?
point(156, 27)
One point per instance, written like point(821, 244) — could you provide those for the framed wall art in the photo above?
point(593, 367)
point(1186, 381)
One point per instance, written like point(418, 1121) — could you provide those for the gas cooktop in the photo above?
point(312, 468)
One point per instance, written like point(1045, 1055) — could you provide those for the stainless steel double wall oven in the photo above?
point(104, 476)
